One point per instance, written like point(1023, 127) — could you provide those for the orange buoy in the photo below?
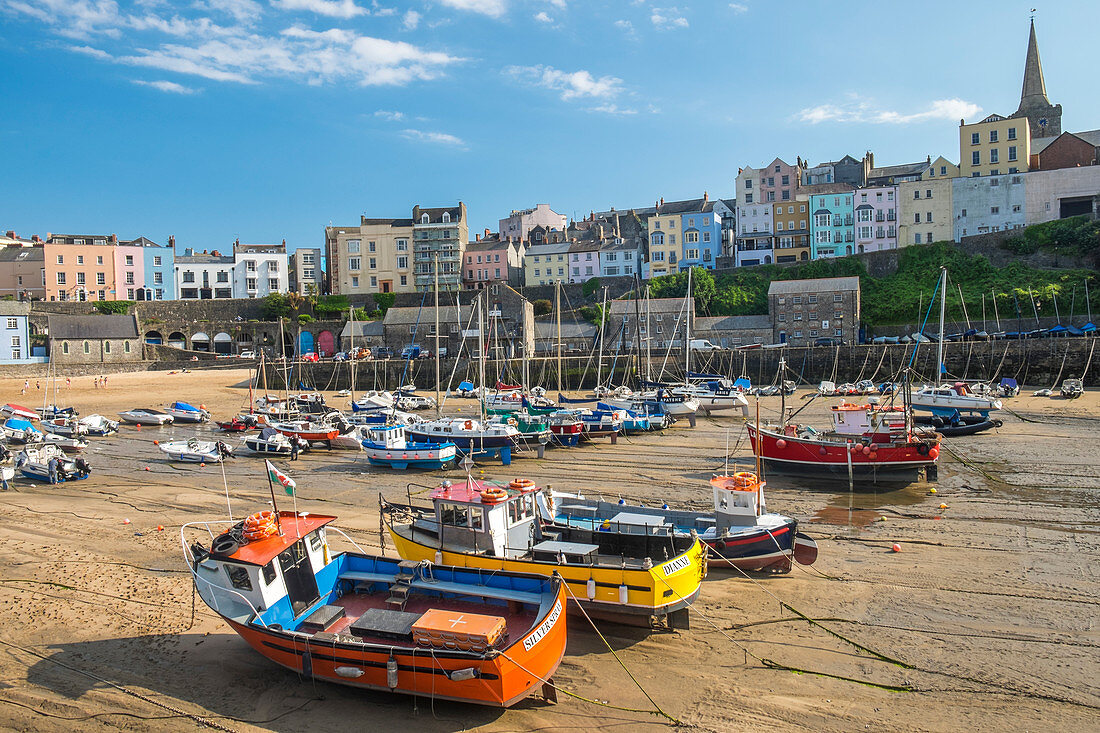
point(202, 464)
point(896, 547)
point(934, 453)
point(126, 521)
point(493, 495)
point(160, 527)
point(780, 443)
point(156, 442)
point(521, 483)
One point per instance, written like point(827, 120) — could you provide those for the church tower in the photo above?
point(1044, 118)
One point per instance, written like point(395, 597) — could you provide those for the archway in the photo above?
point(200, 342)
point(223, 343)
point(767, 259)
point(177, 340)
point(861, 249)
point(153, 337)
point(244, 341)
point(849, 249)
point(305, 343)
point(805, 256)
point(326, 343)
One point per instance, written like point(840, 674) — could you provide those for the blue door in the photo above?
point(305, 343)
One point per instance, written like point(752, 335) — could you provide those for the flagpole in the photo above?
point(271, 485)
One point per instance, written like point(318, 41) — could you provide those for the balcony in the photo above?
point(880, 217)
point(848, 221)
point(891, 216)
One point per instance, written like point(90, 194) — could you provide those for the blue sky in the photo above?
point(268, 119)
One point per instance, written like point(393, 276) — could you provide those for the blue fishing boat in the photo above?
point(649, 417)
point(183, 412)
point(386, 445)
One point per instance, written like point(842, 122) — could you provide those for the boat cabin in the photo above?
point(387, 436)
point(738, 500)
point(868, 421)
point(281, 567)
point(484, 517)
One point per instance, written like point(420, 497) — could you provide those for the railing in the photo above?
point(195, 576)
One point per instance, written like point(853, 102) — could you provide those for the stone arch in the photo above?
point(223, 343)
point(805, 256)
point(848, 249)
point(154, 337)
point(326, 343)
point(767, 259)
point(177, 340)
point(200, 342)
point(861, 249)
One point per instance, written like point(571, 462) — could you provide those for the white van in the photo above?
point(703, 345)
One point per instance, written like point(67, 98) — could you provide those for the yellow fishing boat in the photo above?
point(631, 576)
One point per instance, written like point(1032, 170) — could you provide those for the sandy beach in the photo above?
point(986, 620)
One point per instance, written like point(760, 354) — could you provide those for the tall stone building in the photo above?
point(1044, 118)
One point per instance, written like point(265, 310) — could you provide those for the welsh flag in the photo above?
point(281, 478)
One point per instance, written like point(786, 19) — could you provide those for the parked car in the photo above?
point(340, 356)
point(704, 345)
point(248, 354)
point(383, 352)
point(310, 356)
point(827, 341)
point(411, 351)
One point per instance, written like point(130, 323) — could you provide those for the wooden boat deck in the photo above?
point(355, 604)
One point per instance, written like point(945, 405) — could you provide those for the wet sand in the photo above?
point(992, 602)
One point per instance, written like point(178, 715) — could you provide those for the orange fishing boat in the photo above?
point(465, 634)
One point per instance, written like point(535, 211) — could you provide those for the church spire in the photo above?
point(1034, 89)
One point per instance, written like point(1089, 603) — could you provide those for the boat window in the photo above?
point(238, 577)
point(269, 573)
point(315, 541)
point(453, 514)
point(520, 508)
point(477, 518)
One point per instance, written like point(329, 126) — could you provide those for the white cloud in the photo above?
point(861, 110)
point(166, 86)
point(411, 20)
point(93, 52)
point(73, 18)
point(613, 109)
point(492, 8)
point(559, 4)
point(542, 17)
point(242, 11)
point(668, 19)
point(624, 25)
point(440, 138)
point(330, 8)
point(390, 115)
point(571, 84)
point(739, 8)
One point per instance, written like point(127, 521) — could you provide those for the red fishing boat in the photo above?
point(305, 430)
point(489, 637)
point(867, 440)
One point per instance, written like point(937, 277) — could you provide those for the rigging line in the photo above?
point(615, 654)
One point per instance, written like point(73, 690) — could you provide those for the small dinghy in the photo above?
point(482, 636)
point(35, 463)
point(145, 416)
point(271, 442)
point(20, 432)
point(1072, 389)
point(239, 424)
point(69, 444)
point(18, 411)
point(98, 425)
point(306, 430)
point(194, 450)
point(386, 445)
point(66, 426)
point(183, 412)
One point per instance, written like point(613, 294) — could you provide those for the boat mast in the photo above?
point(435, 272)
point(557, 313)
point(481, 354)
point(687, 331)
point(352, 353)
point(943, 312)
point(648, 338)
point(1034, 309)
point(599, 358)
point(961, 300)
point(782, 394)
point(1088, 304)
point(996, 312)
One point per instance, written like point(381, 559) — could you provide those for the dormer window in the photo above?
point(446, 217)
point(424, 219)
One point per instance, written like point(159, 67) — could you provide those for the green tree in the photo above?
point(543, 307)
point(384, 301)
point(275, 306)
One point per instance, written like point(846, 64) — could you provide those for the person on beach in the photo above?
point(68, 382)
point(26, 386)
point(51, 467)
point(294, 448)
point(95, 383)
point(38, 384)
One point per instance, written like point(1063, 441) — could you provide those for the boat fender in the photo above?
point(350, 673)
point(923, 449)
point(224, 544)
point(934, 453)
point(624, 594)
point(469, 425)
point(720, 544)
point(439, 557)
point(391, 673)
point(591, 589)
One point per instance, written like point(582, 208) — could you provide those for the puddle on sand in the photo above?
point(842, 516)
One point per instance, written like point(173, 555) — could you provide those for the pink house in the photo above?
point(876, 220)
point(129, 271)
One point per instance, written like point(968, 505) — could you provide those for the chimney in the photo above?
point(477, 237)
point(10, 233)
point(487, 232)
point(706, 197)
point(284, 241)
point(114, 239)
point(215, 253)
point(662, 201)
point(34, 238)
point(237, 242)
point(172, 241)
point(205, 252)
point(48, 236)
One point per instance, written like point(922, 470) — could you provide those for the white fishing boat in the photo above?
point(34, 463)
point(271, 442)
point(950, 398)
point(66, 426)
point(19, 431)
point(681, 405)
point(386, 445)
point(714, 395)
point(414, 402)
point(467, 434)
point(18, 411)
point(145, 416)
point(98, 425)
point(69, 444)
point(373, 401)
point(194, 450)
point(183, 412)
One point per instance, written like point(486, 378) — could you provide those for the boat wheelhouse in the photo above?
point(387, 445)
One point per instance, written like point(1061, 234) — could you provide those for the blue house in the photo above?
point(160, 281)
point(702, 236)
point(15, 337)
point(832, 220)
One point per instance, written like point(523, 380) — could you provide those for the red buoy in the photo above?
point(822, 450)
point(780, 443)
point(934, 453)
point(866, 451)
point(896, 547)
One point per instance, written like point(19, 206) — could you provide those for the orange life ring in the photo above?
point(469, 425)
point(260, 525)
point(745, 480)
point(521, 483)
point(493, 495)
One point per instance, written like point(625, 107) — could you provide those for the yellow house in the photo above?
point(925, 206)
point(993, 147)
point(374, 257)
point(664, 243)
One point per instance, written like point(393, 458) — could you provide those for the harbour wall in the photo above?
point(1034, 363)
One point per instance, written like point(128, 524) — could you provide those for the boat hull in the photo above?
point(419, 457)
point(770, 550)
point(465, 444)
point(830, 456)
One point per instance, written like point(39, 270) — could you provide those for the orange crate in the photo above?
point(457, 630)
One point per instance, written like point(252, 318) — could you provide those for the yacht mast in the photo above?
point(352, 353)
point(687, 331)
point(435, 272)
point(943, 312)
point(599, 358)
point(481, 354)
point(557, 313)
